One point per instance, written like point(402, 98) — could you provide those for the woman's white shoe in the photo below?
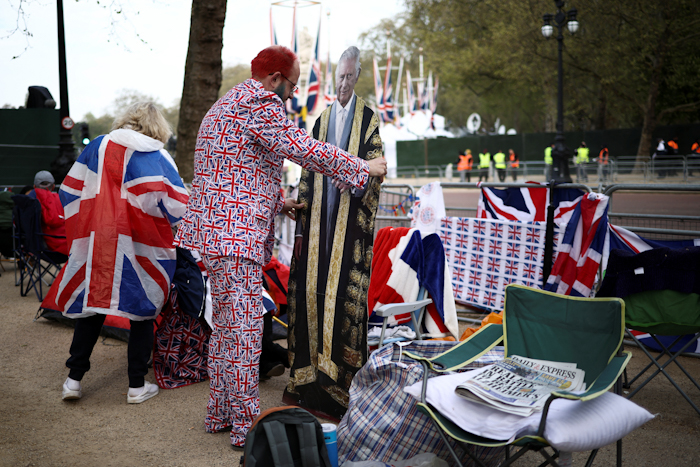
point(138, 395)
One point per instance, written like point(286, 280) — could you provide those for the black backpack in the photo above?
point(285, 437)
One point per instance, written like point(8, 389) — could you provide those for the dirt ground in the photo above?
point(37, 428)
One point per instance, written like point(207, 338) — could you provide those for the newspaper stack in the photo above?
point(520, 385)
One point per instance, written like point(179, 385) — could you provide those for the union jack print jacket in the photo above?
point(241, 147)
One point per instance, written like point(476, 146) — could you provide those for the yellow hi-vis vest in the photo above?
point(548, 155)
point(484, 159)
point(499, 160)
point(583, 155)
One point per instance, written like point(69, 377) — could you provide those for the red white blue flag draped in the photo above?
point(485, 255)
point(527, 204)
point(582, 248)
point(127, 181)
point(404, 261)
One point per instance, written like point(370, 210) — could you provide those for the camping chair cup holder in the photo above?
point(533, 324)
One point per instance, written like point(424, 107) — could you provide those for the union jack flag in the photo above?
point(378, 88)
point(329, 95)
point(314, 85)
point(527, 204)
point(388, 114)
point(434, 97)
point(411, 96)
point(120, 199)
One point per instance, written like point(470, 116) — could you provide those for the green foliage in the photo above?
point(233, 75)
point(492, 59)
point(102, 125)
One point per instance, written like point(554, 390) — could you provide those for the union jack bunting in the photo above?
point(127, 182)
point(485, 255)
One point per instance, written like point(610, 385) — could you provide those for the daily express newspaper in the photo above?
point(520, 385)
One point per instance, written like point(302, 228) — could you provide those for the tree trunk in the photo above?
point(202, 77)
point(649, 125)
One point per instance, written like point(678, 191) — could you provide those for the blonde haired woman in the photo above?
point(120, 198)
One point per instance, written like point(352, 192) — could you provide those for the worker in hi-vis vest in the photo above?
point(604, 163)
point(548, 162)
point(464, 165)
point(581, 158)
point(514, 164)
point(499, 161)
point(484, 164)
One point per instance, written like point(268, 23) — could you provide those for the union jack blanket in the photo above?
point(120, 199)
point(485, 255)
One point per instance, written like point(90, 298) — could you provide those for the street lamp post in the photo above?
point(560, 153)
point(66, 152)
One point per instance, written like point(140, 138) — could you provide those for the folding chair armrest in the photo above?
point(466, 351)
point(393, 309)
point(603, 382)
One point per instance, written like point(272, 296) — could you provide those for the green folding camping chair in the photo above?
point(547, 326)
point(664, 313)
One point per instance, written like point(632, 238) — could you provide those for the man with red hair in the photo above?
point(241, 146)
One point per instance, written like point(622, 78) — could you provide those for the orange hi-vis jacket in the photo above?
point(514, 161)
point(465, 162)
point(603, 156)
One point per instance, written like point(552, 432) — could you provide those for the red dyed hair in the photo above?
point(271, 60)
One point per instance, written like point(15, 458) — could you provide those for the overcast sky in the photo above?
point(144, 47)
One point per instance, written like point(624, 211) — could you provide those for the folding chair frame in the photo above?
point(672, 358)
point(33, 266)
point(481, 342)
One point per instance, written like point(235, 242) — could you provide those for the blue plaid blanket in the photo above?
point(382, 422)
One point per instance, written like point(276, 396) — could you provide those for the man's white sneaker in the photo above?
point(71, 390)
point(138, 395)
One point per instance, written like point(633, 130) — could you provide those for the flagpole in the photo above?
point(397, 93)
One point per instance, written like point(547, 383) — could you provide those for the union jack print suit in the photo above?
point(120, 198)
point(241, 146)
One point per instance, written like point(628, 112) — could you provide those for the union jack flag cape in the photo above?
point(120, 199)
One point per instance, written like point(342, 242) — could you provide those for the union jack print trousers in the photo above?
point(235, 345)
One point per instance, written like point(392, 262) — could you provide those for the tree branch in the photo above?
point(679, 108)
